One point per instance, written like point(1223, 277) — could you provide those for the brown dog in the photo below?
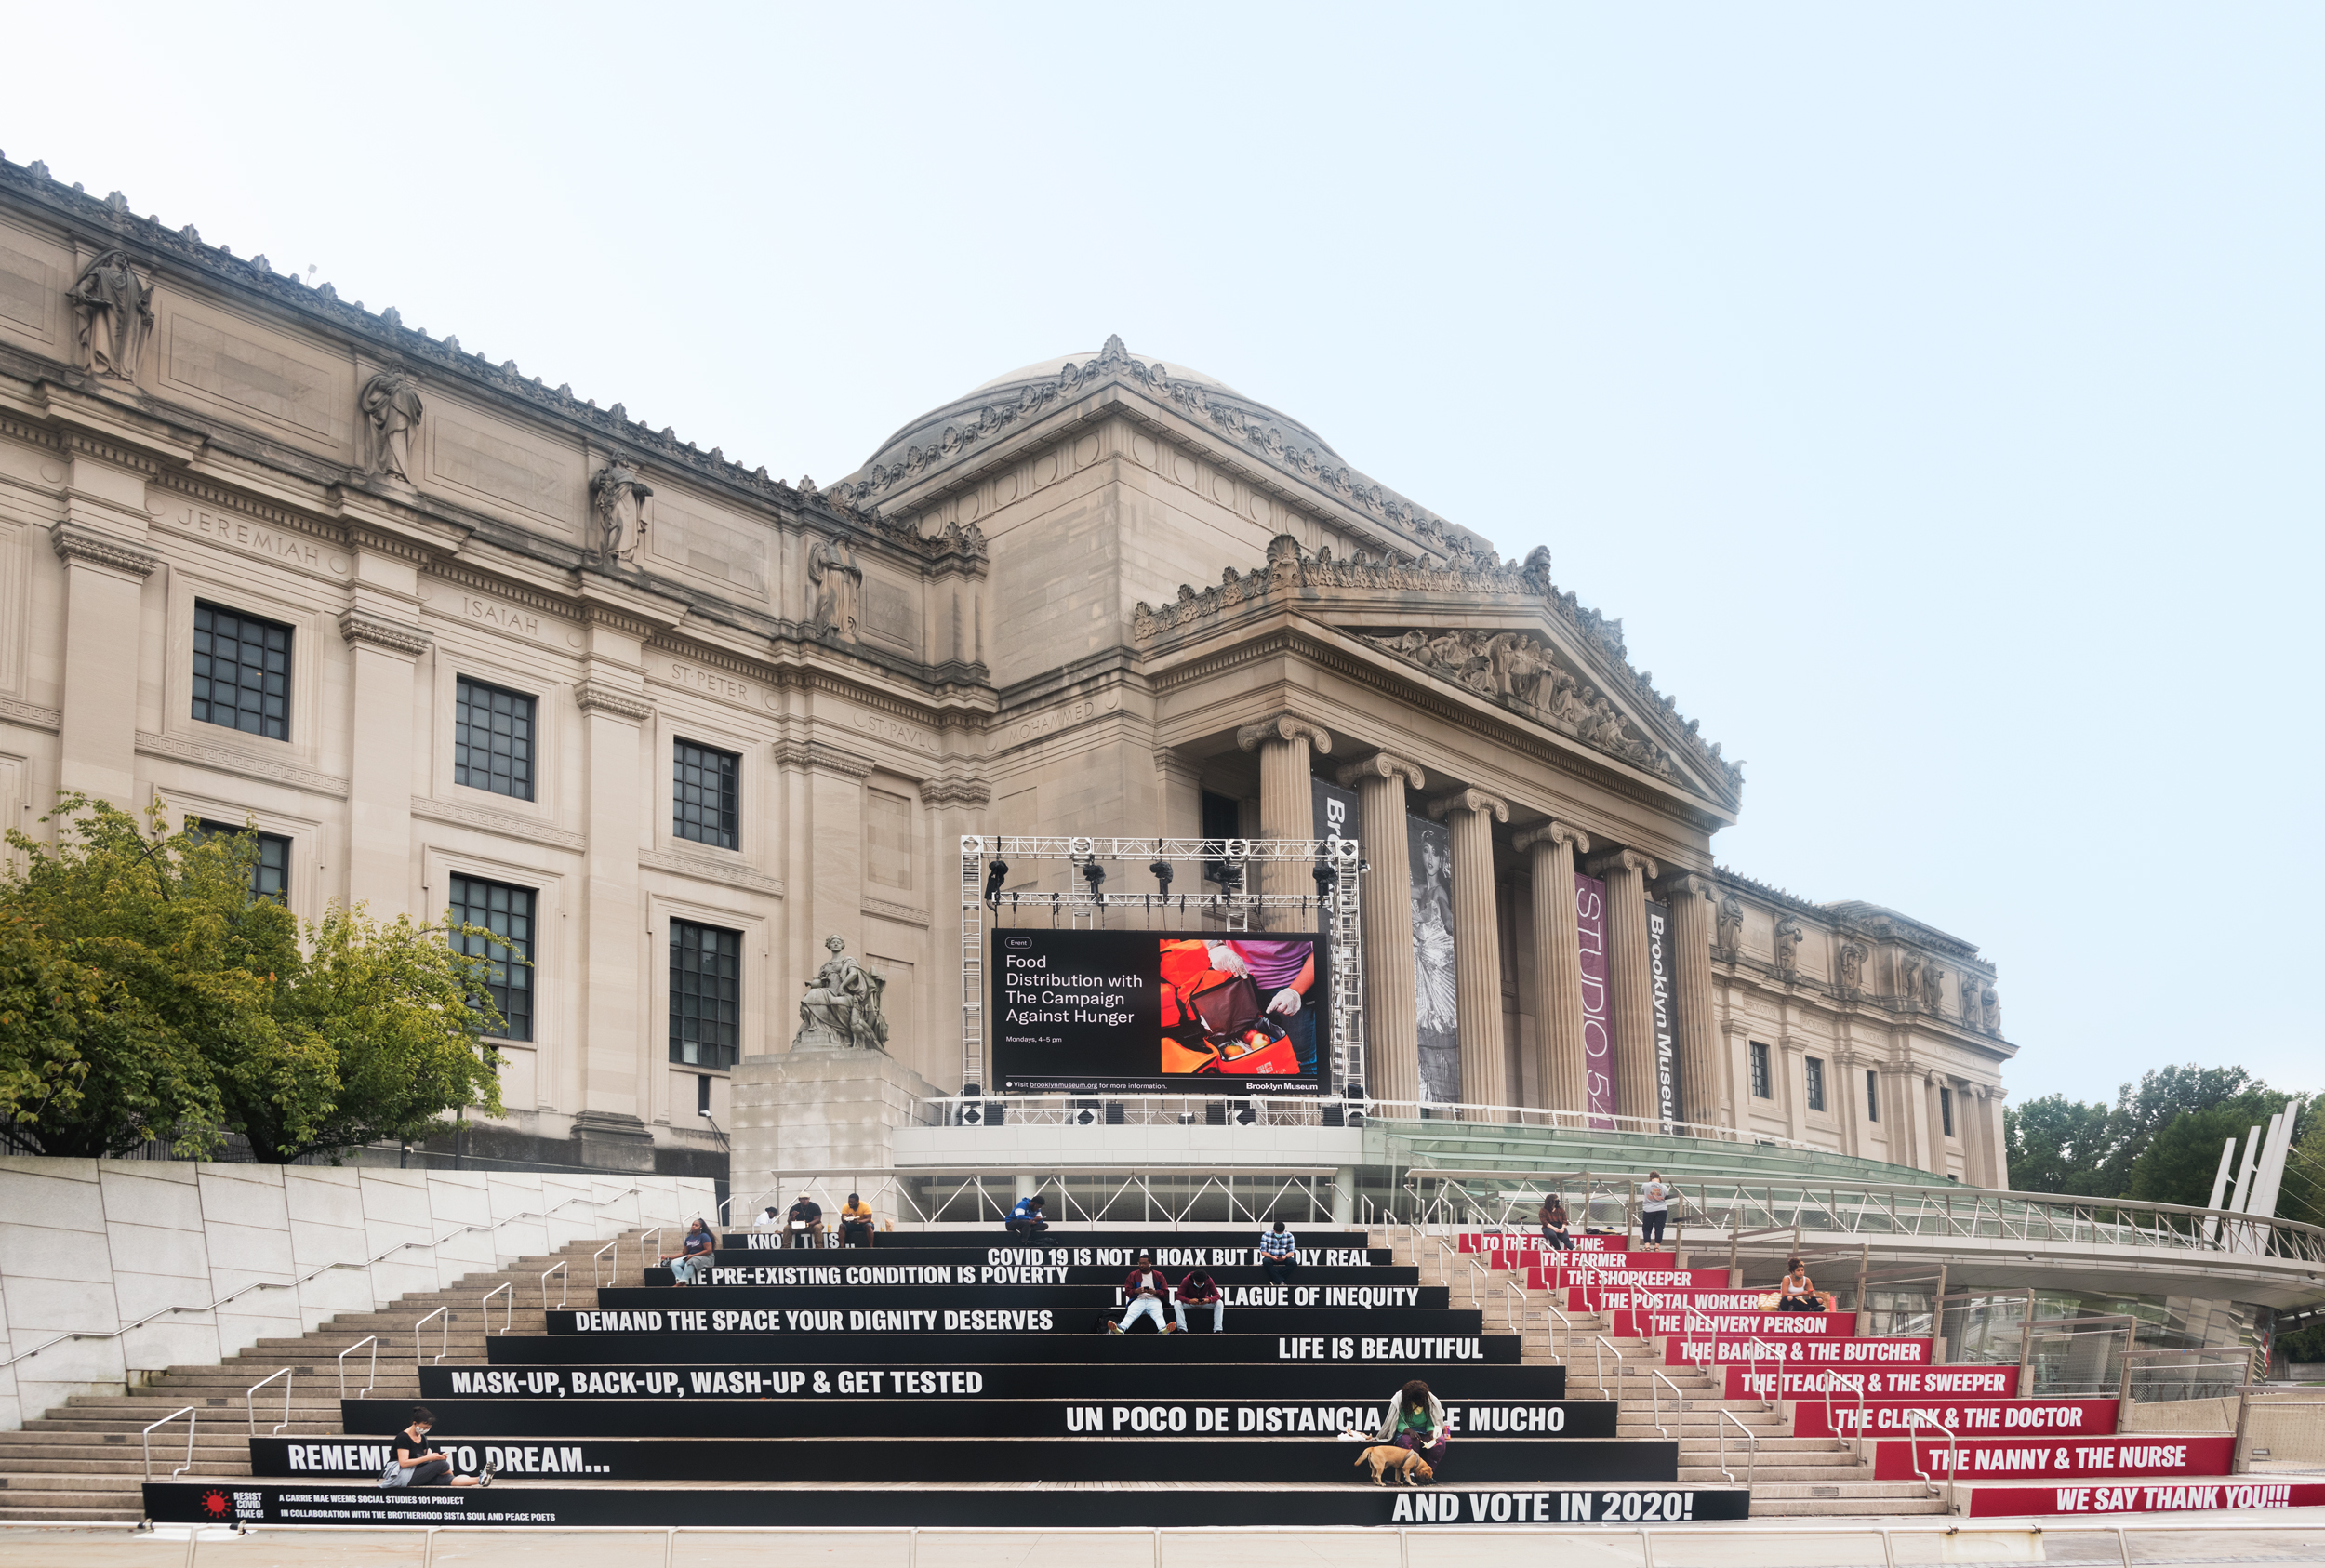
point(1385, 1456)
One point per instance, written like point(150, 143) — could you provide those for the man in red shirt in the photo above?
point(1144, 1291)
point(1199, 1289)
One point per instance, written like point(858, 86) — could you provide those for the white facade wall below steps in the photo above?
point(87, 1246)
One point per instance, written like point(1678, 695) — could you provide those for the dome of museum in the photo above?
point(1005, 398)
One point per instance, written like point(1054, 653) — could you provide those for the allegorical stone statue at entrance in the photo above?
point(842, 1007)
point(113, 309)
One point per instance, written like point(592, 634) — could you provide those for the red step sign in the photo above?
point(1625, 1298)
point(1702, 1325)
point(1776, 1353)
point(1889, 1382)
point(1981, 1459)
point(1553, 1278)
point(1836, 1416)
point(1521, 1241)
point(1999, 1502)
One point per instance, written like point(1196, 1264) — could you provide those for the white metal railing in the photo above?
point(564, 1280)
point(508, 1307)
point(371, 1378)
point(1751, 1448)
point(146, 1438)
point(251, 1399)
point(313, 1273)
point(1871, 1210)
point(443, 1336)
point(597, 1274)
point(1678, 1402)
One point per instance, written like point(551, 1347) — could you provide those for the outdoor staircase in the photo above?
point(1791, 1476)
point(84, 1461)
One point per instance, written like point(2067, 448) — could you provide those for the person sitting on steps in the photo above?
point(417, 1463)
point(690, 1264)
point(1145, 1290)
point(1025, 1221)
point(1199, 1289)
point(1554, 1232)
point(1278, 1253)
point(803, 1226)
point(1797, 1292)
point(856, 1223)
point(1415, 1421)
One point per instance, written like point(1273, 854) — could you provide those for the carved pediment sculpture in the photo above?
point(1518, 670)
point(112, 309)
point(618, 498)
point(392, 410)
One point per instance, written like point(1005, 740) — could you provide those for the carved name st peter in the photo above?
point(693, 677)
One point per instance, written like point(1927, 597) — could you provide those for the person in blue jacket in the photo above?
point(1025, 1221)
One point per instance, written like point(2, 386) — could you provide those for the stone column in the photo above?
point(1180, 783)
point(1476, 942)
point(1625, 874)
point(1691, 898)
point(620, 1046)
point(1391, 1026)
point(1287, 805)
point(1934, 1123)
point(1558, 962)
point(105, 579)
point(379, 770)
point(1997, 1141)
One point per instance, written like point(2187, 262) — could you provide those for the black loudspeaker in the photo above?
point(996, 1112)
point(1332, 1117)
point(1214, 1114)
point(1114, 1113)
point(1245, 1115)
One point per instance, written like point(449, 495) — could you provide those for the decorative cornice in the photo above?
point(595, 697)
point(905, 913)
point(1284, 726)
point(15, 711)
point(357, 627)
point(1555, 833)
point(823, 758)
point(244, 765)
point(1469, 799)
point(73, 542)
point(1384, 765)
point(1684, 884)
point(508, 824)
point(1622, 861)
point(704, 869)
point(954, 788)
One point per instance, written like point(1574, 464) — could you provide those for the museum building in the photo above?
point(446, 637)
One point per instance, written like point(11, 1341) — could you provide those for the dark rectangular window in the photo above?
point(492, 739)
point(242, 672)
point(1872, 1095)
point(706, 994)
point(1763, 1087)
point(507, 912)
point(1816, 1065)
point(1222, 818)
point(270, 873)
point(705, 802)
point(1946, 1110)
point(703, 1095)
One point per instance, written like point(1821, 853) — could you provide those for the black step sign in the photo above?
point(1136, 1349)
point(780, 1415)
point(1049, 1378)
point(1172, 1455)
point(809, 1505)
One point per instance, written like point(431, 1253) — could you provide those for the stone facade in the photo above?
point(766, 711)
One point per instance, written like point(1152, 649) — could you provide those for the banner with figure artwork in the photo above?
point(1662, 983)
point(1598, 1016)
point(1430, 844)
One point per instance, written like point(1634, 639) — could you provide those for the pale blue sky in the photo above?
point(1934, 392)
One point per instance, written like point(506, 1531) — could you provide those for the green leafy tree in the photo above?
point(2056, 1145)
point(2161, 1096)
point(145, 993)
point(2181, 1162)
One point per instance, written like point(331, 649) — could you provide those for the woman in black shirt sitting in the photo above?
point(416, 1463)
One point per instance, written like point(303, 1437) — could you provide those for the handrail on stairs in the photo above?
point(443, 1336)
point(251, 1399)
point(1751, 1452)
point(1678, 1402)
point(146, 1438)
point(313, 1273)
point(508, 1307)
point(597, 1279)
point(563, 1282)
point(370, 1377)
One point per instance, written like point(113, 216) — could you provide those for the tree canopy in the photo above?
point(147, 992)
point(2160, 1142)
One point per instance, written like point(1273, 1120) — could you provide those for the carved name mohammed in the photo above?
point(1050, 721)
point(258, 539)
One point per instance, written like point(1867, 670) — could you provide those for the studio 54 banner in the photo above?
point(1147, 1012)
